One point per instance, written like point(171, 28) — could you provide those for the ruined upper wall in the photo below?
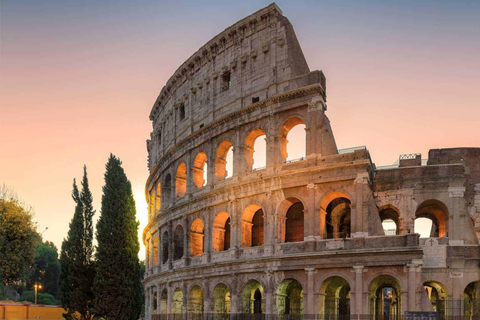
point(256, 58)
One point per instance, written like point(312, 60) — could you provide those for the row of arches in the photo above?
point(290, 227)
point(175, 185)
point(431, 219)
point(385, 299)
point(253, 226)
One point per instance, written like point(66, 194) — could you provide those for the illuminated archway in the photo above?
point(389, 216)
point(290, 217)
point(471, 298)
point(252, 226)
point(289, 298)
point(385, 298)
point(254, 143)
point(252, 298)
point(224, 161)
point(155, 250)
point(181, 180)
point(221, 232)
point(158, 198)
point(196, 237)
point(437, 213)
point(297, 125)
point(195, 302)
point(438, 296)
point(200, 170)
point(338, 218)
point(221, 301)
point(177, 303)
point(335, 299)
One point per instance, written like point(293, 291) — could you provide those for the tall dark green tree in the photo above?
point(76, 259)
point(117, 287)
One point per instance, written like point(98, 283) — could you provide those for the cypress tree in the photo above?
point(116, 286)
point(76, 258)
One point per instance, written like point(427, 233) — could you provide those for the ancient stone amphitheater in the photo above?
point(294, 239)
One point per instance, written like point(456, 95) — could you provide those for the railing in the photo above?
point(295, 160)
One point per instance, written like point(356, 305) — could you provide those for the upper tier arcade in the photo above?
point(253, 60)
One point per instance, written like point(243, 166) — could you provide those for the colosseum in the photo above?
point(294, 238)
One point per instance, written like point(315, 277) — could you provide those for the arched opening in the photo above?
point(255, 150)
point(290, 220)
point(295, 223)
point(296, 151)
point(163, 302)
point(155, 250)
point(335, 299)
point(390, 220)
point(154, 302)
point(438, 296)
point(221, 301)
point(385, 298)
point(338, 218)
point(200, 170)
point(431, 219)
point(252, 226)
point(181, 180)
point(177, 305)
point(471, 298)
point(196, 237)
point(178, 240)
point(289, 299)
point(195, 302)
point(221, 232)
point(252, 298)
point(158, 198)
point(165, 247)
point(151, 202)
point(167, 189)
point(224, 161)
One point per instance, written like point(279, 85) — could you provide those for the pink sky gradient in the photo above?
point(78, 81)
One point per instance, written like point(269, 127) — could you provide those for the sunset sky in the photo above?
point(78, 80)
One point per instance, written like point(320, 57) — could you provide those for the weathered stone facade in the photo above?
point(296, 237)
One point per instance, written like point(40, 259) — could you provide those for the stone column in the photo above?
point(159, 255)
point(359, 216)
point(309, 307)
point(170, 245)
point(237, 154)
point(184, 301)
point(147, 303)
point(313, 126)
point(411, 283)
point(159, 298)
point(358, 307)
point(235, 232)
point(309, 232)
point(457, 214)
point(186, 240)
point(169, 301)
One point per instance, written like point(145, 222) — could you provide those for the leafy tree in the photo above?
point(17, 241)
point(117, 287)
point(46, 268)
point(76, 259)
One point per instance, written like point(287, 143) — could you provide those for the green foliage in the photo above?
point(17, 241)
point(76, 259)
point(117, 287)
point(42, 298)
point(46, 268)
